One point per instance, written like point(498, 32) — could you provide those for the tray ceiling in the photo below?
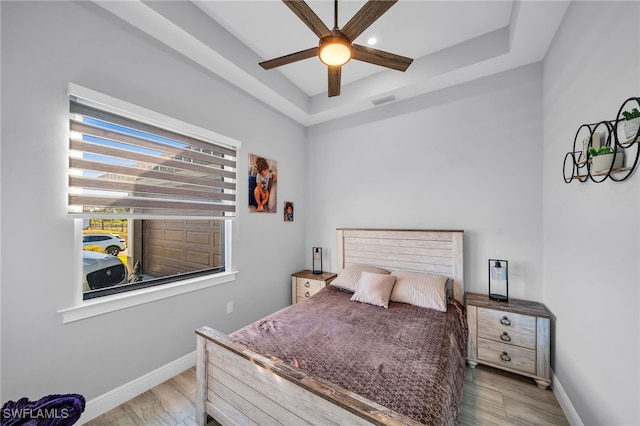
point(451, 42)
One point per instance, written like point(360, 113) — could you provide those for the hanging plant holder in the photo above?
point(600, 150)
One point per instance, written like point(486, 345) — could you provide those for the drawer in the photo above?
point(304, 294)
point(309, 284)
point(507, 327)
point(508, 356)
point(306, 288)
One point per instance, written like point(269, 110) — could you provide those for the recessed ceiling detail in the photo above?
point(452, 42)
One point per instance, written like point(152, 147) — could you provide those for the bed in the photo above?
point(333, 360)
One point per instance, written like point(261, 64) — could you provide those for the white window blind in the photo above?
point(125, 167)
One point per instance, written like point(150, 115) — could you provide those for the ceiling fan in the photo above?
point(336, 46)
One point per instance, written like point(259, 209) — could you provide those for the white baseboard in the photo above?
point(563, 399)
point(124, 393)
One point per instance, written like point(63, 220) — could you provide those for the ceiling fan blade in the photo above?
point(334, 80)
point(366, 16)
point(309, 17)
point(287, 59)
point(382, 58)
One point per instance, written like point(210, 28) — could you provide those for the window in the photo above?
point(154, 195)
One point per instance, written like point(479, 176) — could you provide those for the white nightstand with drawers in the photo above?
point(305, 284)
point(513, 336)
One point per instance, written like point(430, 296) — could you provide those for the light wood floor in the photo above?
point(494, 397)
point(490, 397)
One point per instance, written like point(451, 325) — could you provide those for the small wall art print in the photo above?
point(263, 184)
point(288, 211)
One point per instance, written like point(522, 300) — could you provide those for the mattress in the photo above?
point(406, 358)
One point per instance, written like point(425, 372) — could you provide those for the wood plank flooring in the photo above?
point(495, 397)
point(490, 397)
point(169, 404)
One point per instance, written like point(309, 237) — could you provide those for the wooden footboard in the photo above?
point(236, 385)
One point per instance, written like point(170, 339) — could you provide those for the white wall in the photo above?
point(466, 158)
point(591, 234)
point(45, 45)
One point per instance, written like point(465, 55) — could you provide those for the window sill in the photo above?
point(103, 305)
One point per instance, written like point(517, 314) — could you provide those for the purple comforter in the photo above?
point(406, 358)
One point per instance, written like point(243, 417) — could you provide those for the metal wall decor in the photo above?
point(616, 142)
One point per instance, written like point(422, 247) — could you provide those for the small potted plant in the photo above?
point(631, 122)
point(602, 158)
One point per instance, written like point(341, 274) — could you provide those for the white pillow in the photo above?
point(349, 276)
point(374, 289)
point(420, 289)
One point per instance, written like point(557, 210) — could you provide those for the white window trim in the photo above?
point(86, 309)
point(106, 304)
point(128, 299)
point(144, 115)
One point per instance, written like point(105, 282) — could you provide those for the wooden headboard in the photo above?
point(431, 251)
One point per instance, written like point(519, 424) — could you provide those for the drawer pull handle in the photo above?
point(307, 294)
point(307, 284)
point(505, 337)
point(505, 321)
point(505, 357)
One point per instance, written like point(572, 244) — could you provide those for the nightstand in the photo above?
point(305, 284)
point(513, 336)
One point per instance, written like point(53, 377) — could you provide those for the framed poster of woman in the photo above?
point(263, 184)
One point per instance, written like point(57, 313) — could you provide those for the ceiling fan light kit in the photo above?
point(336, 47)
point(335, 50)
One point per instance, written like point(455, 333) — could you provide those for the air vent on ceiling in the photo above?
point(384, 100)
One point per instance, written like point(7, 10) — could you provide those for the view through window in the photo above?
point(121, 254)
